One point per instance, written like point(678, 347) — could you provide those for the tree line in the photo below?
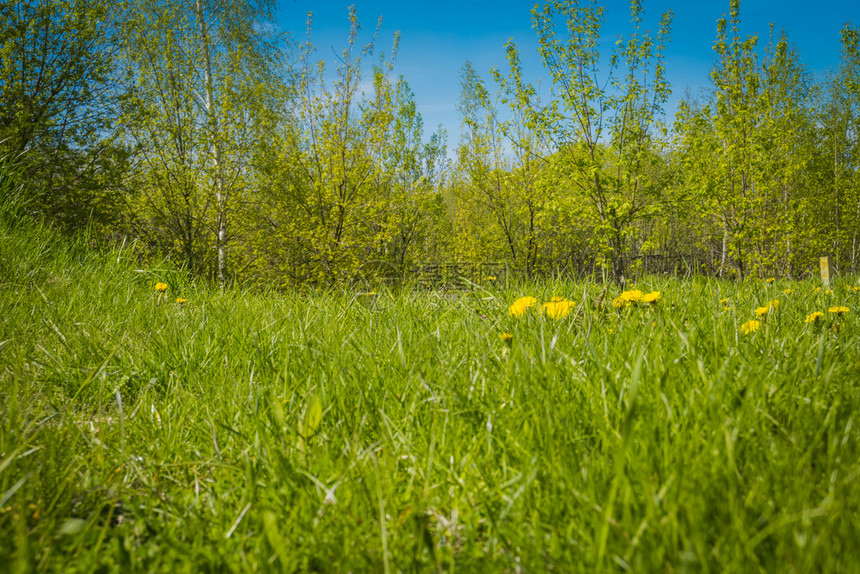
point(199, 130)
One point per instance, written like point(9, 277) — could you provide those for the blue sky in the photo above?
point(438, 37)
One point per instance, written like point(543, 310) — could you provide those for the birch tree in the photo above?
point(204, 82)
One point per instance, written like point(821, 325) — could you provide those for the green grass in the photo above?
point(348, 431)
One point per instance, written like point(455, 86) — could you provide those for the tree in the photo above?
point(204, 76)
point(839, 144)
point(608, 134)
point(57, 101)
point(411, 176)
point(501, 191)
point(784, 229)
point(326, 192)
point(747, 150)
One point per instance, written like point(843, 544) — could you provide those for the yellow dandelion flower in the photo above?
point(763, 311)
point(787, 291)
point(521, 305)
point(628, 298)
point(161, 287)
point(750, 327)
point(829, 292)
point(506, 338)
point(634, 296)
point(813, 317)
point(770, 280)
point(651, 297)
point(557, 308)
point(491, 278)
point(180, 300)
point(838, 310)
point(816, 290)
point(724, 300)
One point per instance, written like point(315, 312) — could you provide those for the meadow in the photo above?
point(377, 430)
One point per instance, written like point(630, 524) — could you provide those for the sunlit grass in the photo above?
point(350, 430)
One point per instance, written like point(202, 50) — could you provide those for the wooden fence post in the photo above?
point(824, 263)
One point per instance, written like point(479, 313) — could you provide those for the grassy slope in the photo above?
point(344, 431)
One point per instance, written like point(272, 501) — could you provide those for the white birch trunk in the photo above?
point(214, 145)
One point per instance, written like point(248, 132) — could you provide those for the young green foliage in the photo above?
point(839, 121)
point(501, 186)
point(202, 84)
point(607, 133)
point(352, 186)
point(57, 99)
point(746, 151)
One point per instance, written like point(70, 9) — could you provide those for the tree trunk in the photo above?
point(214, 146)
point(617, 258)
point(787, 215)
